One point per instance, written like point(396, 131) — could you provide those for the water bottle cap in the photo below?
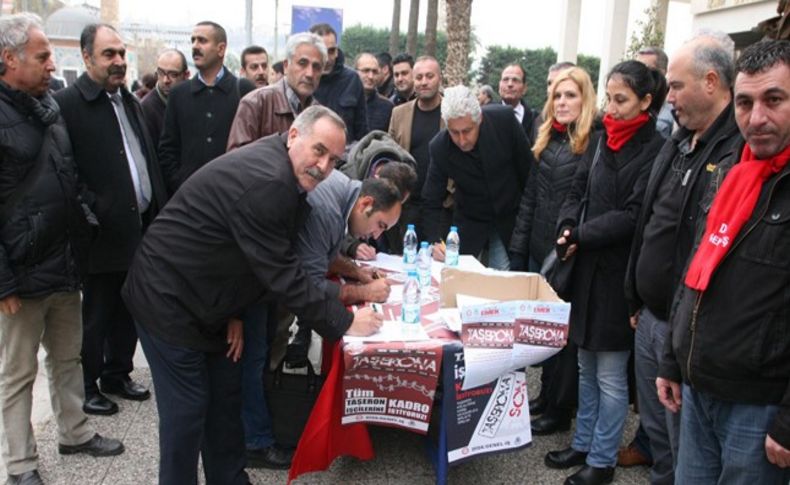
point(410, 226)
point(453, 228)
point(412, 272)
point(424, 244)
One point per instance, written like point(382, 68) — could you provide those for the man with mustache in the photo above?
point(200, 112)
point(117, 161)
point(272, 109)
point(255, 65)
point(225, 241)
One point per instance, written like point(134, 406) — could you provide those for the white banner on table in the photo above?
point(487, 336)
point(540, 331)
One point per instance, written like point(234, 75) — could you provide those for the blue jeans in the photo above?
point(254, 358)
point(603, 405)
point(497, 252)
point(724, 442)
point(660, 424)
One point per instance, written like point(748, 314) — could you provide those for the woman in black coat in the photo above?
point(613, 182)
point(561, 142)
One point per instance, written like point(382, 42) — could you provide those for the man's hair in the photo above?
point(714, 50)
point(488, 91)
point(662, 61)
point(521, 68)
point(458, 102)
point(428, 59)
point(15, 32)
point(402, 175)
point(384, 59)
point(403, 57)
point(88, 36)
point(253, 49)
point(307, 118)
point(361, 55)
point(384, 192)
point(184, 65)
point(561, 65)
point(763, 56)
point(322, 30)
point(219, 32)
point(278, 67)
point(296, 40)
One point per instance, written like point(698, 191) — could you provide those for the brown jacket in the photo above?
point(400, 123)
point(262, 112)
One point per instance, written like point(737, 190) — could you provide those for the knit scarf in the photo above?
point(44, 108)
point(558, 127)
point(732, 207)
point(618, 132)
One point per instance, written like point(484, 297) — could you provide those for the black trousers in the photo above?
point(198, 397)
point(108, 334)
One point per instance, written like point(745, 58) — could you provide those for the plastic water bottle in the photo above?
point(424, 265)
point(410, 308)
point(410, 248)
point(451, 248)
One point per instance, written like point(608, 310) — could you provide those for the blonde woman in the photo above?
point(560, 144)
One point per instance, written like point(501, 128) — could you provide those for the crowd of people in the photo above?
point(204, 216)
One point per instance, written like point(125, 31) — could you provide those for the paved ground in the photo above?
point(400, 456)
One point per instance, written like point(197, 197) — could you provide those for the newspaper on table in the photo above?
point(504, 336)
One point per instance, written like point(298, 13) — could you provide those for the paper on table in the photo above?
point(469, 300)
point(393, 331)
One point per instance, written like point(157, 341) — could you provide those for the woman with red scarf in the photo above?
point(562, 140)
point(596, 224)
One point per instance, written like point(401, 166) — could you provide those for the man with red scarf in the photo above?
point(729, 342)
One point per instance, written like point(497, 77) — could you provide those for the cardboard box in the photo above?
point(495, 285)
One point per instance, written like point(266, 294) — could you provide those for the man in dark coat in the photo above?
point(379, 108)
point(44, 237)
point(200, 112)
point(171, 70)
point(117, 161)
point(512, 89)
point(700, 92)
point(340, 88)
point(484, 150)
point(224, 242)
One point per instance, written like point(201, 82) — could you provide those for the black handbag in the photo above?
point(291, 398)
point(559, 272)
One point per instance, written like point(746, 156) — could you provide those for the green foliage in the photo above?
point(646, 34)
point(536, 63)
point(358, 38)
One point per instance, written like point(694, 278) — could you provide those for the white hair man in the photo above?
point(485, 151)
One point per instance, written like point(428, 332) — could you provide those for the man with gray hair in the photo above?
point(45, 236)
point(700, 78)
point(272, 109)
point(485, 151)
point(227, 240)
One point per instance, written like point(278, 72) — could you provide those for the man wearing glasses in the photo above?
point(171, 69)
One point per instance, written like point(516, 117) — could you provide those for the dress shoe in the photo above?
point(550, 424)
point(591, 475)
point(538, 405)
point(566, 458)
point(127, 389)
point(99, 404)
point(270, 457)
point(96, 446)
point(631, 456)
point(28, 478)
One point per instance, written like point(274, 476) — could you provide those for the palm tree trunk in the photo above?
point(459, 13)
point(431, 20)
point(395, 29)
point(411, 37)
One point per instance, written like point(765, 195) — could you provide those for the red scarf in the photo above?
point(558, 127)
point(732, 207)
point(618, 132)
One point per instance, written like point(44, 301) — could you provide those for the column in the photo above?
point(569, 30)
point(615, 26)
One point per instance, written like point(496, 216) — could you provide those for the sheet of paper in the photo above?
point(487, 336)
point(393, 331)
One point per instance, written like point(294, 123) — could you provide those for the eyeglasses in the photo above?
point(169, 74)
